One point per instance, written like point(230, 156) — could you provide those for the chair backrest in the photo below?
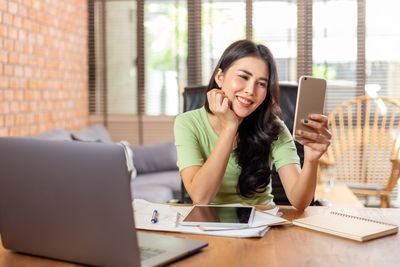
point(194, 97)
point(365, 137)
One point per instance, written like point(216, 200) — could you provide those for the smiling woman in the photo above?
point(226, 148)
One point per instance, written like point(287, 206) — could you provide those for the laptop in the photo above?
point(72, 201)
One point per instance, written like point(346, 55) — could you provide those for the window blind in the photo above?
point(96, 68)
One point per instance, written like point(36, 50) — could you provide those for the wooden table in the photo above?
point(281, 246)
point(339, 195)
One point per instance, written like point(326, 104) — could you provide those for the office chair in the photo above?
point(364, 153)
point(194, 97)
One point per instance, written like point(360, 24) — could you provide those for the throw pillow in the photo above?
point(154, 157)
point(55, 134)
point(96, 133)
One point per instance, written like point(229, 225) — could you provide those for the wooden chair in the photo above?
point(364, 153)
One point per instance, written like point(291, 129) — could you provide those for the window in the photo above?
point(165, 48)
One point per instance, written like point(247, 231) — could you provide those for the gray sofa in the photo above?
point(157, 178)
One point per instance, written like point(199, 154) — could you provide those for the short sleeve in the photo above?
point(187, 143)
point(284, 150)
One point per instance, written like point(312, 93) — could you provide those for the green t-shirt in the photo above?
point(195, 139)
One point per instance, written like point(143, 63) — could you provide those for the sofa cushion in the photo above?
point(60, 134)
point(95, 133)
point(152, 193)
point(154, 157)
point(170, 179)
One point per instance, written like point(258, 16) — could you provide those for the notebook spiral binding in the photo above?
point(360, 218)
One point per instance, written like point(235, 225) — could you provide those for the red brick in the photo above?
point(8, 70)
point(3, 30)
point(14, 131)
point(28, 49)
point(27, 95)
point(20, 120)
point(13, 33)
point(8, 44)
point(36, 4)
point(22, 11)
point(24, 131)
point(30, 118)
point(3, 56)
point(14, 107)
point(9, 120)
point(32, 14)
point(19, 71)
point(19, 47)
point(24, 106)
point(12, 7)
point(33, 130)
point(4, 108)
point(9, 95)
point(28, 71)
point(18, 95)
point(24, 84)
point(36, 27)
point(13, 83)
point(8, 18)
point(3, 82)
point(33, 107)
point(4, 5)
point(13, 58)
point(17, 22)
point(4, 132)
point(22, 35)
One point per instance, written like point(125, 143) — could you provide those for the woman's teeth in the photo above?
point(244, 101)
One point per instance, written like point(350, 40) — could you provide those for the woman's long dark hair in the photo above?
point(258, 130)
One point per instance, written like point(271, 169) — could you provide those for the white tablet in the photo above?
point(310, 100)
point(219, 216)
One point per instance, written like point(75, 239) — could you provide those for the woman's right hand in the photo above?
point(220, 106)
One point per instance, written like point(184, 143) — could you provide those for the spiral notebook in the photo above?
point(347, 226)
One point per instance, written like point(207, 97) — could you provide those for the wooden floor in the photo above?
point(340, 196)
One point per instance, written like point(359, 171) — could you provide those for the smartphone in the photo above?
point(310, 100)
point(219, 216)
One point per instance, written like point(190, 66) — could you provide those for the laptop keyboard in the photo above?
point(146, 253)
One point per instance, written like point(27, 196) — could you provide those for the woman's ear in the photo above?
point(219, 77)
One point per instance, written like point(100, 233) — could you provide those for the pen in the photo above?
point(154, 217)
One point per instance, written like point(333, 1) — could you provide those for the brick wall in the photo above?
point(43, 66)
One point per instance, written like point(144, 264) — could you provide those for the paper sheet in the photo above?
point(169, 217)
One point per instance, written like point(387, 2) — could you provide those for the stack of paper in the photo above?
point(170, 216)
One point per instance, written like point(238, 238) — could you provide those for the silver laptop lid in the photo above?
point(37, 180)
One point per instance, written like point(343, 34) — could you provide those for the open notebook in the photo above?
point(348, 226)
